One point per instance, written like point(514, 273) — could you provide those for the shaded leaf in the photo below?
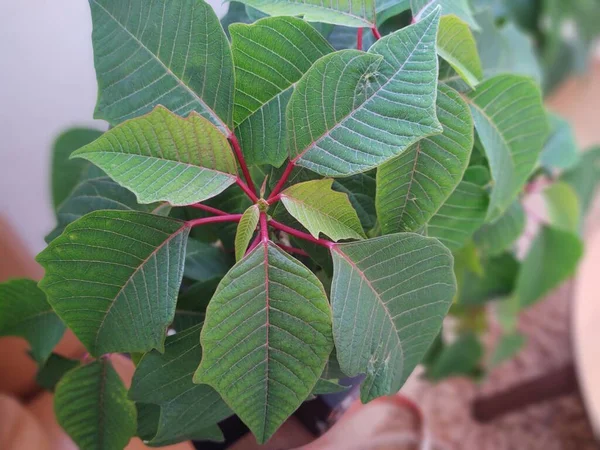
point(187, 410)
point(498, 280)
point(561, 150)
point(324, 387)
point(389, 296)
point(584, 178)
point(462, 357)
point(563, 206)
point(54, 368)
point(267, 336)
point(500, 235)
point(322, 210)
point(360, 189)
point(162, 157)
point(507, 348)
point(412, 187)
point(385, 9)
point(353, 110)
point(270, 57)
point(332, 369)
point(236, 13)
point(511, 123)
point(204, 262)
point(91, 405)
point(245, 230)
point(172, 53)
point(459, 8)
point(551, 260)
point(25, 312)
point(113, 278)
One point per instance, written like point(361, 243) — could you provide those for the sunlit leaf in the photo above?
point(245, 231)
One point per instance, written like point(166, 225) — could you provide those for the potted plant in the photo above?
point(267, 214)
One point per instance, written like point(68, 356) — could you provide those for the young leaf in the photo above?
point(456, 44)
point(55, 367)
point(66, 173)
point(322, 210)
point(462, 214)
point(187, 410)
point(93, 195)
point(389, 296)
point(25, 312)
point(585, 177)
point(412, 187)
point(459, 8)
point(563, 206)
point(552, 258)
point(353, 110)
point(270, 57)
point(351, 13)
point(511, 122)
point(113, 278)
point(500, 235)
point(266, 338)
point(561, 150)
point(168, 52)
point(162, 157)
point(92, 407)
point(245, 231)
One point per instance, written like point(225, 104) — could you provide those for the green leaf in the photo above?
point(113, 278)
point(332, 369)
point(204, 262)
point(389, 296)
point(162, 157)
point(245, 230)
point(91, 405)
point(386, 9)
point(412, 187)
point(563, 206)
point(172, 53)
point(459, 8)
point(147, 420)
point(266, 339)
point(552, 259)
point(561, 150)
point(584, 178)
point(353, 111)
point(462, 357)
point(500, 235)
point(456, 44)
point(462, 214)
point(25, 312)
point(236, 13)
point(507, 347)
point(270, 57)
point(93, 195)
point(511, 123)
point(360, 189)
point(187, 410)
point(322, 210)
point(328, 387)
point(351, 13)
point(66, 172)
point(55, 367)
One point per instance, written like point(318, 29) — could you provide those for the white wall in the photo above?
point(47, 83)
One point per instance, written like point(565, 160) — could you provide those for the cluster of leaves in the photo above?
point(390, 183)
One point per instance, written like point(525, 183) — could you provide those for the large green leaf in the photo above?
point(389, 296)
point(459, 8)
point(352, 13)
point(66, 173)
point(53, 369)
point(92, 195)
point(270, 57)
point(561, 150)
point(500, 235)
point(412, 187)
point(585, 177)
point(245, 231)
point(460, 216)
point(266, 339)
point(168, 52)
point(25, 312)
point(322, 210)
point(113, 278)
point(353, 110)
point(92, 407)
point(552, 258)
point(511, 123)
point(162, 157)
point(187, 410)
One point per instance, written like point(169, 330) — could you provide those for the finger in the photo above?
point(19, 429)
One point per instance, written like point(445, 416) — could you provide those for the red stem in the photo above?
point(264, 228)
point(246, 189)
point(376, 33)
point(300, 234)
point(297, 251)
point(209, 209)
point(240, 157)
point(286, 174)
point(214, 219)
point(359, 39)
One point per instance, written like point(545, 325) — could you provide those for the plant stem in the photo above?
point(376, 33)
point(300, 234)
point(209, 209)
point(246, 189)
point(286, 174)
point(297, 251)
point(240, 157)
point(359, 39)
point(264, 228)
point(214, 219)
